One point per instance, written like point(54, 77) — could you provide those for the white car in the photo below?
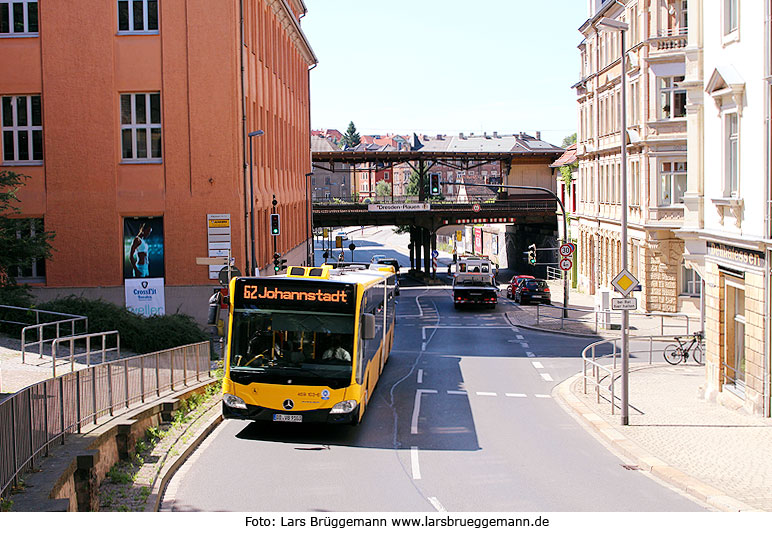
point(377, 258)
point(343, 235)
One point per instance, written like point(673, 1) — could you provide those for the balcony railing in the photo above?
point(670, 39)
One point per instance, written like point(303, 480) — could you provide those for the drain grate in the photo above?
point(630, 467)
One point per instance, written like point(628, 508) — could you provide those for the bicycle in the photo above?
point(675, 354)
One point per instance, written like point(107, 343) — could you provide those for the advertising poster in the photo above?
point(145, 296)
point(478, 244)
point(143, 247)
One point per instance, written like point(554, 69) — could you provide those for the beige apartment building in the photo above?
point(657, 157)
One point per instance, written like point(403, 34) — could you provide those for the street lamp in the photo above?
point(623, 27)
point(253, 265)
point(309, 254)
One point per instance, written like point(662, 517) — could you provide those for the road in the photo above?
point(463, 420)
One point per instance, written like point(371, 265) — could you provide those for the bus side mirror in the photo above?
point(368, 326)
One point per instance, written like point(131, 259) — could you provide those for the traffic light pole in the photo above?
point(565, 227)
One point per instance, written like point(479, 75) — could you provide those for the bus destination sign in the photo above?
point(307, 295)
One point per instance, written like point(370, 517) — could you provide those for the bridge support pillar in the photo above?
point(427, 250)
point(417, 244)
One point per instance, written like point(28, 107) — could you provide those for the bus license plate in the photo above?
point(287, 418)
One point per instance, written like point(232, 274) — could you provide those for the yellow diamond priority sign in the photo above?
point(624, 282)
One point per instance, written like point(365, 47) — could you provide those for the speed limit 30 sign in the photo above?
point(567, 249)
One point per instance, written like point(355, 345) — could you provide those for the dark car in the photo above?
point(512, 285)
point(533, 290)
point(394, 263)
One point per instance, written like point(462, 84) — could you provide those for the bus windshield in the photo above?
point(288, 343)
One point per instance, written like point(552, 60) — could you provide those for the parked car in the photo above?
point(377, 258)
point(529, 290)
point(343, 235)
point(512, 285)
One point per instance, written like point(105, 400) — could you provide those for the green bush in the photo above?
point(15, 296)
point(139, 334)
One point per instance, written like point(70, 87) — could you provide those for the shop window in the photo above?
point(734, 361)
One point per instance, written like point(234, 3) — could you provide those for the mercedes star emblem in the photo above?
point(288, 404)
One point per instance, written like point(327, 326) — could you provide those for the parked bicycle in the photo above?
point(677, 353)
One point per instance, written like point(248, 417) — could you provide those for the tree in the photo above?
point(351, 137)
point(18, 247)
point(383, 188)
point(568, 141)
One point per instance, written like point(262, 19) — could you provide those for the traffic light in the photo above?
point(276, 263)
point(434, 184)
point(275, 224)
point(532, 254)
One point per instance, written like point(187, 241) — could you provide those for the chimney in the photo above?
point(538, 136)
point(461, 135)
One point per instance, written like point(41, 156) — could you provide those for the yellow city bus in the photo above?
point(308, 346)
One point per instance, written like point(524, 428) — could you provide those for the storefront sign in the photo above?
point(145, 296)
point(735, 255)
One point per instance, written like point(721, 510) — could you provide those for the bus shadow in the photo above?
point(443, 423)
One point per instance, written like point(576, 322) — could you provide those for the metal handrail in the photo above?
point(611, 372)
point(40, 327)
point(610, 313)
point(87, 337)
point(36, 417)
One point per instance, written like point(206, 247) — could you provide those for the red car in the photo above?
point(512, 285)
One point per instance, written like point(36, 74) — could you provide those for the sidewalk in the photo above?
point(718, 455)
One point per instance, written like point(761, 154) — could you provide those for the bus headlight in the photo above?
point(344, 407)
point(234, 402)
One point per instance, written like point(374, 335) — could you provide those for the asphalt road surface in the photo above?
point(463, 420)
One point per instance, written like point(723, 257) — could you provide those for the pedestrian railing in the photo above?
point(40, 333)
point(37, 417)
point(71, 342)
point(596, 370)
point(607, 319)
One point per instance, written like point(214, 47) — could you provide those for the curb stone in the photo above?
point(628, 449)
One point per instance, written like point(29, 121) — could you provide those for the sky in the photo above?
point(445, 66)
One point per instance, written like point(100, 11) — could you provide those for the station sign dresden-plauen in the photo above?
point(399, 207)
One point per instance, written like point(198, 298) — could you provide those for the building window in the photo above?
point(22, 125)
point(691, 282)
point(731, 150)
point(327, 180)
point(735, 336)
point(35, 271)
point(141, 127)
point(672, 100)
point(18, 18)
point(138, 16)
point(731, 18)
point(634, 181)
point(672, 183)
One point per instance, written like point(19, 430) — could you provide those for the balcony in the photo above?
point(669, 41)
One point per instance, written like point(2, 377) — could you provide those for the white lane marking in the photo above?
point(530, 354)
point(515, 329)
point(420, 376)
point(460, 392)
point(437, 505)
point(420, 311)
point(423, 333)
point(546, 377)
point(524, 345)
point(423, 346)
point(537, 364)
point(417, 408)
point(516, 395)
point(414, 462)
point(519, 337)
point(542, 396)
point(486, 394)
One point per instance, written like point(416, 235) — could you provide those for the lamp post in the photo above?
point(253, 265)
point(309, 254)
point(622, 27)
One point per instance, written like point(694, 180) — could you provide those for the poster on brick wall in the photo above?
point(143, 247)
